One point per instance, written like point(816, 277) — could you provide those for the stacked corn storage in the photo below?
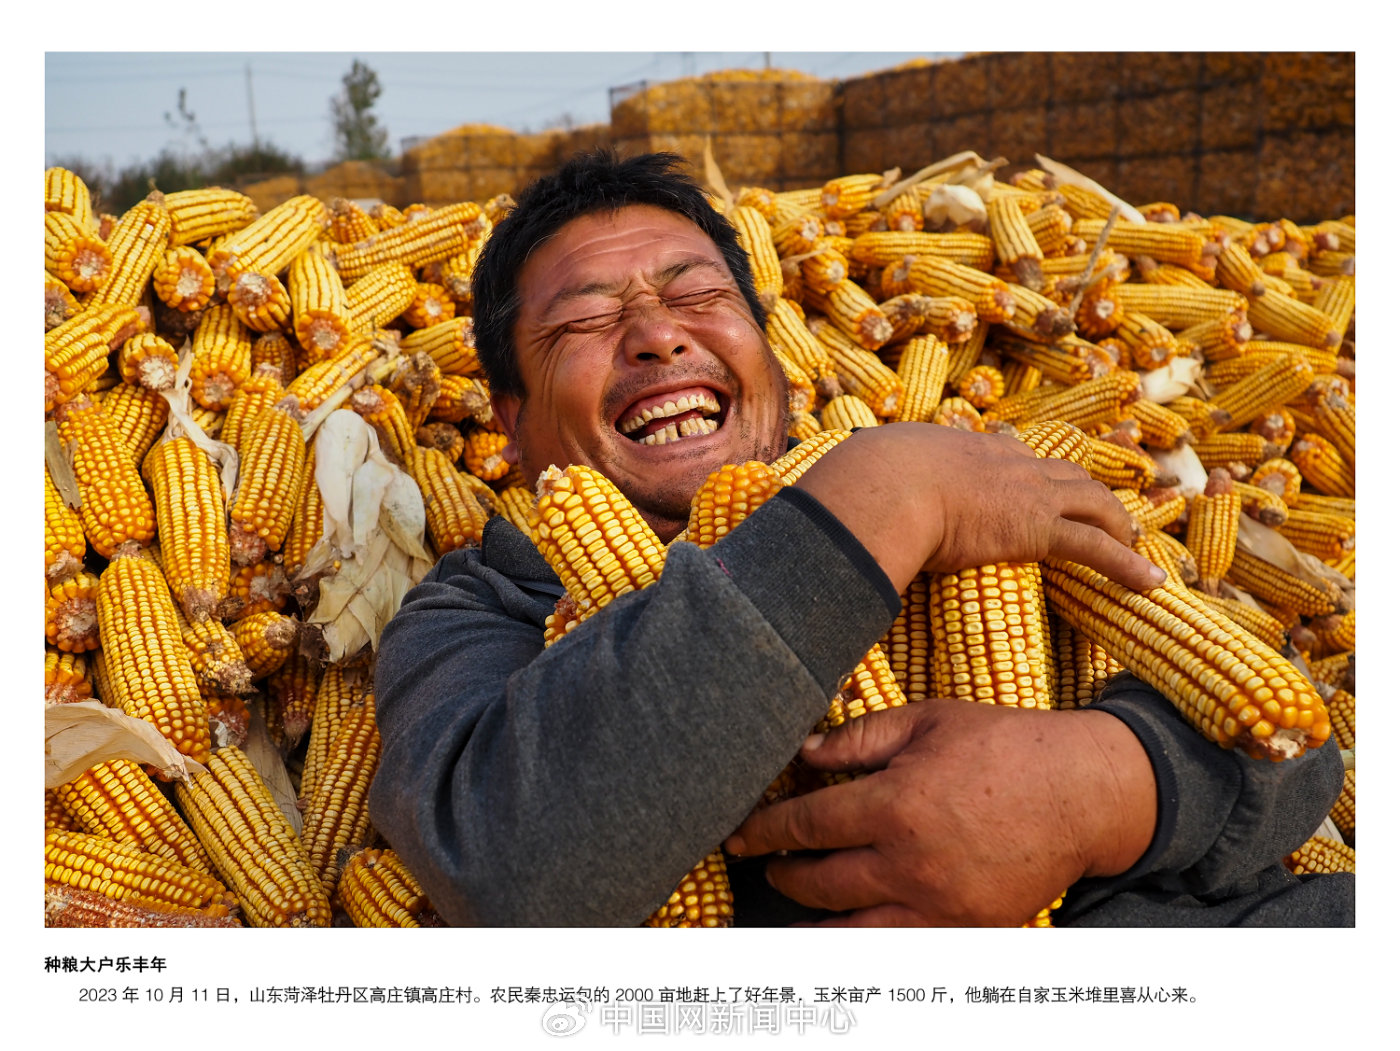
point(192, 316)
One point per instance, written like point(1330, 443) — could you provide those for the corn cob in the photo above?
point(320, 381)
point(115, 506)
point(923, 370)
point(1335, 417)
point(483, 454)
point(1292, 321)
point(455, 517)
point(75, 352)
point(259, 391)
point(125, 872)
point(59, 303)
point(1341, 710)
point(1082, 667)
point(1164, 242)
point(1212, 529)
point(349, 222)
point(70, 613)
point(795, 462)
point(859, 369)
point(846, 413)
point(269, 480)
point(75, 254)
point(260, 301)
point(1267, 629)
point(789, 333)
point(1343, 812)
point(1336, 633)
point(66, 906)
point(1322, 466)
point(222, 350)
point(756, 238)
point(118, 800)
point(216, 657)
point(138, 244)
point(1150, 344)
point(990, 296)
point(252, 845)
point(137, 415)
point(960, 413)
point(268, 244)
point(267, 640)
point(1102, 400)
point(198, 215)
point(189, 512)
point(1338, 670)
point(65, 191)
point(1262, 505)
point(852, 310)
point(1233, 689)
point(1164, 550)
point(1326, 534)
point(563, 528)
point(461, 398)
point(982, 386)
point(1278, 381)
point(1268, 583)
point(440, 234)
point(145, 658)
point(379, 296)
point(66, 677)
point(848, 194)
point(1015, 242)
point(1321, 854)
point(385, 413)
point(337, 815)
point(64, 543)
point(430, 305)
point(702, 899)
point(823, 269)
point(988, 640)
point(149, 361)
point(377, 890)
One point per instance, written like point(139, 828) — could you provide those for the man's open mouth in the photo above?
point(672, 416)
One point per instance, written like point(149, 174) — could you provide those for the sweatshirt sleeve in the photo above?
point(1224, 820)
point(577, 785)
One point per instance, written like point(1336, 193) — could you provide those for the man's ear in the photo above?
point(506, 408)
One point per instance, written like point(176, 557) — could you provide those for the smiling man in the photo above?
point(618, 325)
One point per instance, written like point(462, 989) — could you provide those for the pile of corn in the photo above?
point(175, 589)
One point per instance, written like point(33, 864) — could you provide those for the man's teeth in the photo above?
point(685, 429)
point(703, 402)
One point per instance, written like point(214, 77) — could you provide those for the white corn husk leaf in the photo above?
point(267, 761)
point(715, 178)
point(375, 525)
point(1272, 546)
point(80, 735)
point(60, 464)
point(959, 205)
point(947, 168)
point(1064, 173)
point(1185, 466)
point(182, 423)
point(1173, 380)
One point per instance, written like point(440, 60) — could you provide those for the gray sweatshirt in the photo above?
point(577, 785)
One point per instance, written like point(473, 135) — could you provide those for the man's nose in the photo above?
point(652, 333)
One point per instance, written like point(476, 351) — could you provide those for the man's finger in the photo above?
point(867, 743)
point(848, 879)
point(827, 819)
point(1090, 546)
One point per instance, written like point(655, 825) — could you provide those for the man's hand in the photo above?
point(974, 815)
point(919, 496)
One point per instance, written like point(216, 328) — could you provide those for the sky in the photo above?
point(121, 107)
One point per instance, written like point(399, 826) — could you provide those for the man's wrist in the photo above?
point(1122, 817)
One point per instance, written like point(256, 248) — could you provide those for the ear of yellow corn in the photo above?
point(252, 845)
point(1231, 687)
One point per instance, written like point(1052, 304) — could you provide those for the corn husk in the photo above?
point(80, 735)
point(374, 527)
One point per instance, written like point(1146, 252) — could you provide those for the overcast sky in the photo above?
point(113, 107)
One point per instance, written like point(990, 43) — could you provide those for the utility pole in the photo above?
point(252, 122)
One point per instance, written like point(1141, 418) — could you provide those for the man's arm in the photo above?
point(975, 814)
point(577, 784)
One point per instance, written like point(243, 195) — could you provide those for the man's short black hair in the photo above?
point(598, 181)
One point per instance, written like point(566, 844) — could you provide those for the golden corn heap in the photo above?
point(882, 309)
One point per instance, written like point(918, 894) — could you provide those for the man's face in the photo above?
point(640, 359)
